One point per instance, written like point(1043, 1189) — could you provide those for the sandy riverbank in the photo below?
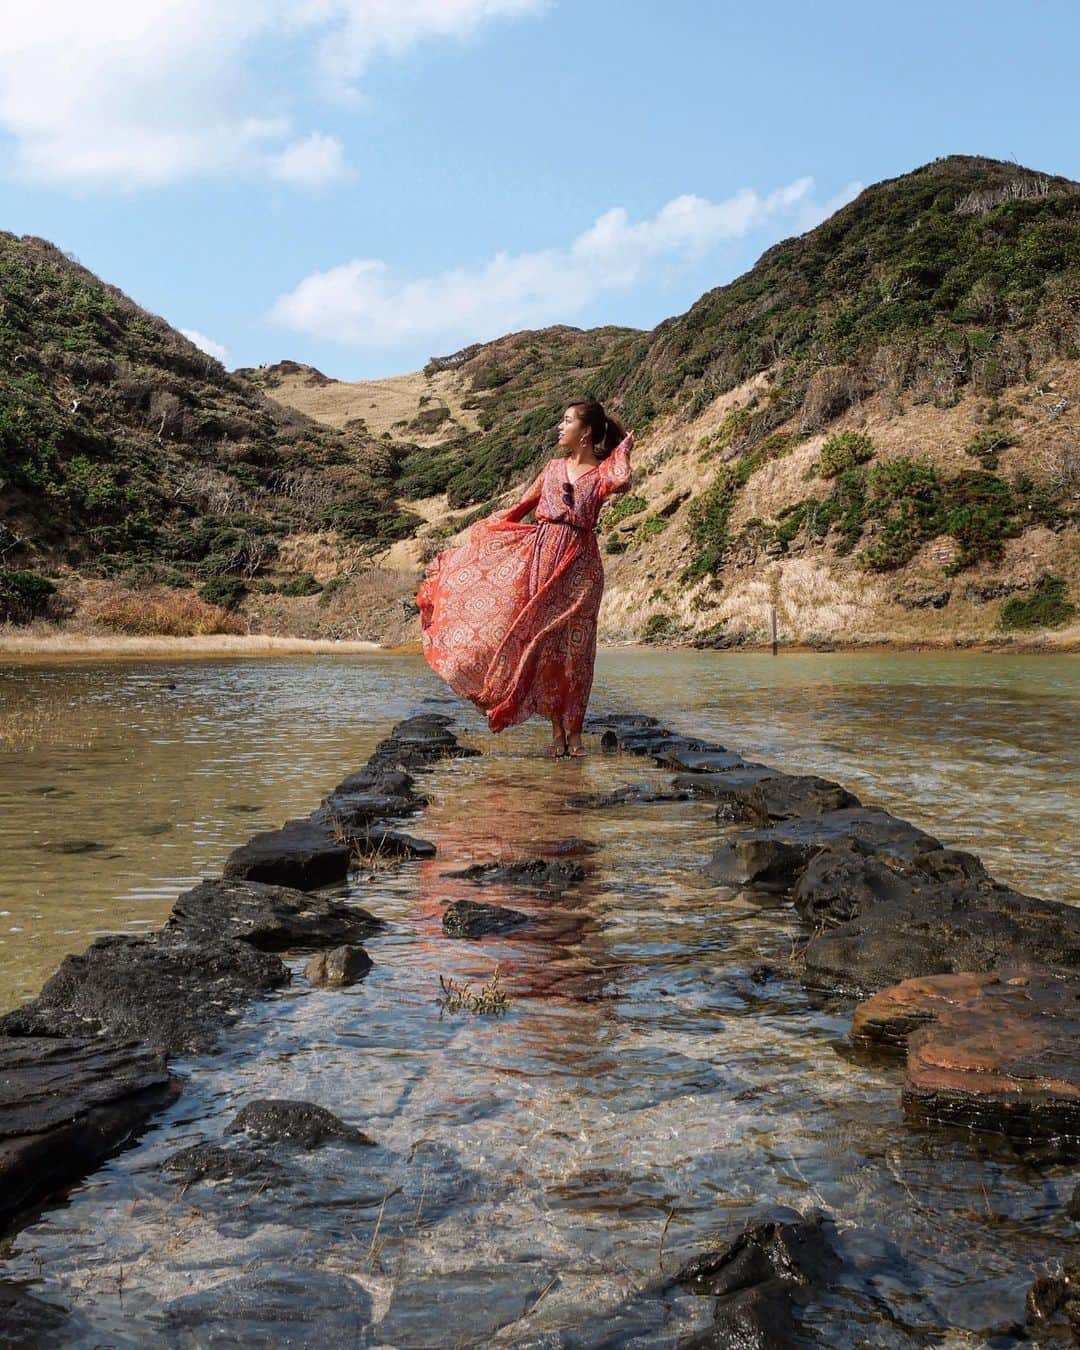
point(15, 646)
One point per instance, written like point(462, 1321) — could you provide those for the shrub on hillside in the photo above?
point(845, 450)
point(1047, 606)
point(304, 584)
point(170, 615)
point(224, 591)
point(23, 595)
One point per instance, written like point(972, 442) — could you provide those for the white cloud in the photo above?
point(126, 94)
point(367, 304)
point(205, 344)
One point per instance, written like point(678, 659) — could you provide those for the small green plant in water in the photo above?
point(461, 997)
point(1048, 606)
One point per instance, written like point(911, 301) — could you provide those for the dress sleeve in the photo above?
point(614, 472)
point(527, 503)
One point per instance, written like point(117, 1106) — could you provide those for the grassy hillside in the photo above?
point(126, 451)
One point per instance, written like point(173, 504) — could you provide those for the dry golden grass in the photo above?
point(164, 614)
point(381, 403)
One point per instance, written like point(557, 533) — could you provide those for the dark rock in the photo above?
point(631, 794)
point(301, 854)
point(211, 1162)
point(173, 993)
point(928, 600)
point(774, 858)
point(573, 847)
point(345, 813)
point(772, 1266)
point(281, 1121)
point(1072, 1209)
point(980, 594)
point(467, 919)
point(418, 743)
point(26, 1321)
point(634, 741)
point(275, 1305)
point(755, 795)
point(269, 917)
point(340, 967)
point(375, 778)
point(65, 1106)
point(535, 872)
point(600, 722)
point(1053, 1305)
point(938, 929)
point(847, 879)
point(392, 844)
point(713, 759)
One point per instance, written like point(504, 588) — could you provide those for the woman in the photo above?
point(509, 617)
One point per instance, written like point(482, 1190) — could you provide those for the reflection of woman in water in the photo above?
point(509, 617)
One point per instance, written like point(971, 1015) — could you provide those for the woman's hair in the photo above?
point(607, 431)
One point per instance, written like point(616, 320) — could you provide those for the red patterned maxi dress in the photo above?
point(509, 616)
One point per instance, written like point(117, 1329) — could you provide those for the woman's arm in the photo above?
point(528, 503)
point(614, 472)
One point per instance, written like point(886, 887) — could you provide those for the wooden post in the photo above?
point(775, 645)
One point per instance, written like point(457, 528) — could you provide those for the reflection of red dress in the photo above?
point(509, 617)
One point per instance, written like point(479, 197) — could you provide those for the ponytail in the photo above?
point(607, 431)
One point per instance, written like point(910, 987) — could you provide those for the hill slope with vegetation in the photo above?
point(873, 431)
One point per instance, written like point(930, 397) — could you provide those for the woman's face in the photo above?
point(571, 429)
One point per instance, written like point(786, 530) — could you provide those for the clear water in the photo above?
point(538, 1176)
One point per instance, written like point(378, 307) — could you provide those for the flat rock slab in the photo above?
point(467, 919)
point(534, 872)
point(278, 1120)
point(340, 967)
point(598, 722)
point(273, 1305)
point(211, 1162)
point(633, 742)
point(997, 1051)
point(699, 759)
point(571, 847)
point(774, 858)
point(65, 1105)
point(303, 854)
point(758, 796)
point(418, 743)
point(350, 811)
point(173, 993)
point(631, 794)
point(941, 929)
point(272, 918)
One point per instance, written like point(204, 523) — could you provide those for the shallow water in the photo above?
point(537, 1176)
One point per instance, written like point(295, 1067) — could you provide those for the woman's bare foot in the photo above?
point(556, 750)
point(574, 748)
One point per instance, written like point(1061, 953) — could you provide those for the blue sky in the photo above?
point(360, 184)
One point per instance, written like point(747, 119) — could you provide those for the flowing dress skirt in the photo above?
point(509, 619)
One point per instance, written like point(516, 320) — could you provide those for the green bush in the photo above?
point(331, 588)
point(23, 595)
point(979, 510)
point(649, 528)
point(844, 450)
point(625, 505)
point(224, 591)
point(305, 584)
point(1047, 606)
point(904, 497)
point(988, 444)
point(658, 627)
point(615, 543)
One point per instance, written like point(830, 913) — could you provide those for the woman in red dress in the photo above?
point(509, 616)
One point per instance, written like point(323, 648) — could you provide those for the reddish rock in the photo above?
point(996, 1051)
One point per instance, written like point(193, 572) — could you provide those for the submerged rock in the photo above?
point(269, 917)
point(171, 992)
point(302, 854)
point(211, 1162)
point(698, 758)
point(392, 844)
point(26, 1321)
point(533, 872)
point(775, 857)
point(65, 1105)
point(340, 967)
point(759, 1279)
point(630, 794)
point(275, 1305)
point(278, 1120)
point(467, 919)
point(600, 722)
